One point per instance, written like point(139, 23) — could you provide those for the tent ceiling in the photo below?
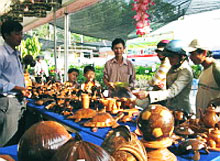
point(113, 18)
point(108, 19)
point(68, 6)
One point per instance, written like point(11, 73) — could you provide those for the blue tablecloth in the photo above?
point(101, 133)
point(98, 137)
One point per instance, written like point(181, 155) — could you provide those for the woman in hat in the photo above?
point(178, 81)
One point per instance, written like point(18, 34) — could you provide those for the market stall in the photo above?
point(97, 137)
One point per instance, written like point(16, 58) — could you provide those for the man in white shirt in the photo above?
point(41, 68)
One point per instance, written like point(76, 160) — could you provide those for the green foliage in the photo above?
point(144, 70)
point(142, 73)
point(98, 72)
point(42, 31)
point(196, 71)
point(51, 70)
point(143, 77)
point(30, 46)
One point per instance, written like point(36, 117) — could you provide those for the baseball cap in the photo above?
point(194, 45)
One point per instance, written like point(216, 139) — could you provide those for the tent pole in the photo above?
point(55, 42)
point(66, 43)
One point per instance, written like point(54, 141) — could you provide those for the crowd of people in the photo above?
point(171, 83)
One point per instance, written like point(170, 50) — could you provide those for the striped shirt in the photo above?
point(160, 75)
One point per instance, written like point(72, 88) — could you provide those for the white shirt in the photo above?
point(41, 68)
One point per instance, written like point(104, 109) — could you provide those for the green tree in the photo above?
point(42, 31)
point(30, 46)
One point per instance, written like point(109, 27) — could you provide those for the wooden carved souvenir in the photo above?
point(156, 123)
point(184, 129)
point(130, 114)
point(84, 113)
point(67, 113)
point(39, 102)
point(50, 106)
point(193, 144)
point(210, 117)
point(124, 145)
point(40, 142)
point(77, 149)
point(213, 139)
point(103, 119)
point(195, 125)
point(85, 101)
point(6, 158)
point(104, 102)
point(43, 101)
point(128, 103)
point(111, 105)
point(179, 116)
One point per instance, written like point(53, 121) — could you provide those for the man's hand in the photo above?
point(26, 93)
point(159, 86)
point(141, 94)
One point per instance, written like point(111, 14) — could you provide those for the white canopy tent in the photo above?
point(204, 26)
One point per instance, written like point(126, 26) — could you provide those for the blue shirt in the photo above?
point(11, 72)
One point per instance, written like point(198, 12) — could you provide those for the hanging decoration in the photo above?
point(29, 8)
point(141, 17)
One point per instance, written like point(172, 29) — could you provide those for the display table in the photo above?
point(95, 137)
point(70, 124)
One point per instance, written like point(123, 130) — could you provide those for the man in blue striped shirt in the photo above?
point(11, 81)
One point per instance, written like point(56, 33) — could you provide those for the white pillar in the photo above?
point(66, 44)
point(55, 42)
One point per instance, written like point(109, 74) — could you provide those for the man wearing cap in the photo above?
point(159, 79)
point(209, 79)
point(178, 81)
